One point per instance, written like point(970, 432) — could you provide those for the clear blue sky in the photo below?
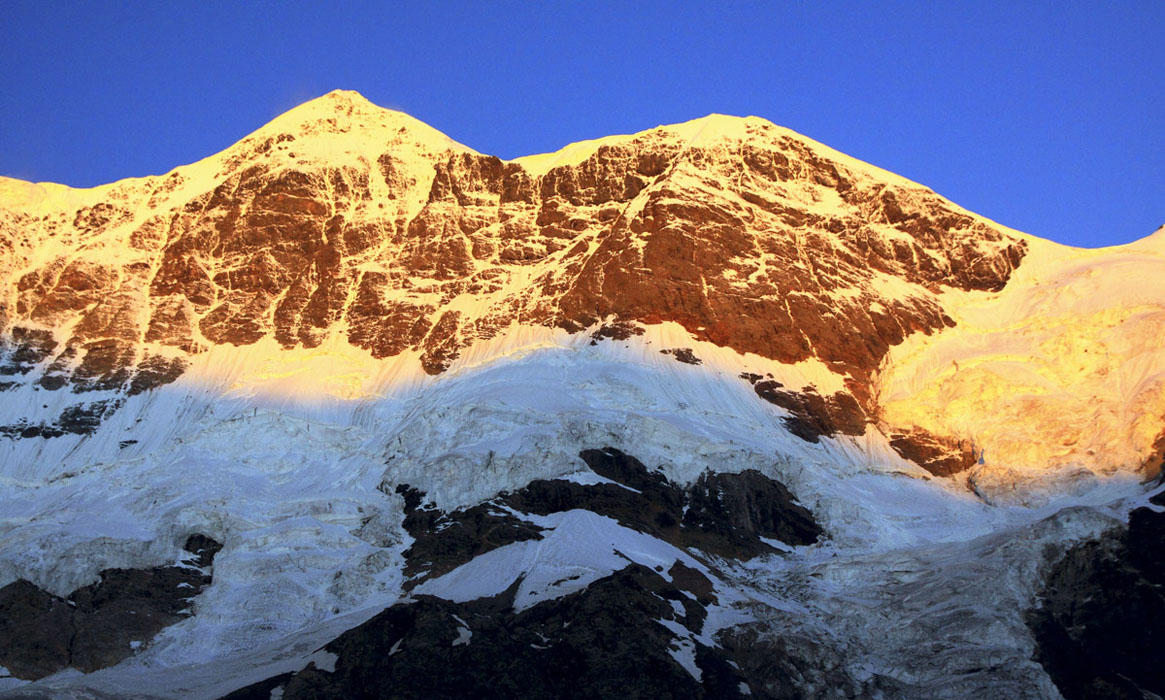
point(1045, 116)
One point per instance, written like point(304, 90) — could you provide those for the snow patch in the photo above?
point(464, 634)
point(578, 548)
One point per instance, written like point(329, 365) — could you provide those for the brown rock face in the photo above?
point(813, 415)
point(939, 456)
point(747, 235)
point(1154, 465)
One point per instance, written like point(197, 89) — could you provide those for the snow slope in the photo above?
point(1058, 378)
point(289, 482)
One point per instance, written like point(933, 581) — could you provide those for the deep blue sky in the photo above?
point(1045, 116)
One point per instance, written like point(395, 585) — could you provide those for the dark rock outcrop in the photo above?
point(78, 419)
point(605, 641)
point(442, 541)
point(792, 666)
point(101, 624)
point(26, 349)
point(938, 455)
point(721, 514)
point(813, 415)
point(740, 507)
point(684, 355)
point(1100, 622)
point(726, 515)
point(631, 634)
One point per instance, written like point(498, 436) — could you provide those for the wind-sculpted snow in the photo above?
point(1055, 381)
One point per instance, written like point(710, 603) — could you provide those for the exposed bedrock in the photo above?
point(101, 624)
point(727, 515)
point(605, 641)
point(813, 416)
point(1100, 619)
point(636, 633)
point(938, 455)
point(749, 237)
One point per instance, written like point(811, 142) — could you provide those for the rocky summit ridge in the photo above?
point(340, 218)
point(711, 410)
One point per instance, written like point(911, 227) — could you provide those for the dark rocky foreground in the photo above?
point(638, 633)
point(1100, 623)
point(622, 636)
point(604, 641)
point(720, 514)
point(101, 624)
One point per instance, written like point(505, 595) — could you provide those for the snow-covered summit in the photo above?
point(344, 225)
point(368, 126)
point(736, 385)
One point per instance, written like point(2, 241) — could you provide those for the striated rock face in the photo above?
point(939, 456)
point(344, 219)
point(813, 415)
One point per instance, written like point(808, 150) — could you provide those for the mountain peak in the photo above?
point(347, 362)
point(340, 95)
point(348, 113)
point(338, 102)
point(1155, 241)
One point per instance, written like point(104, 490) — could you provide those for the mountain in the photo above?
point(709, 410)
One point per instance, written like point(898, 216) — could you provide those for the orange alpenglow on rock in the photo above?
point(368, 360)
